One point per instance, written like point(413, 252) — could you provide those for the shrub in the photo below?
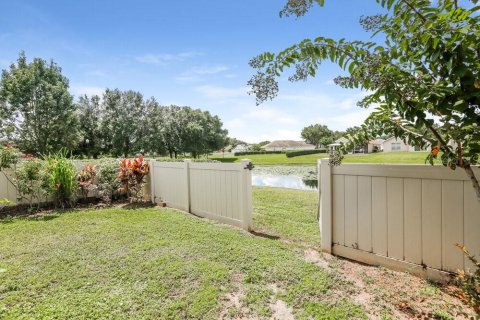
point(107, 179)
point(86, 178)
point(292, 154)
point(132, 176)
point(8, 156)
point(61, 179)
point(31, 179)
point(246, 153)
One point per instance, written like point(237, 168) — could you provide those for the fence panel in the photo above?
point(217, 191)
point(401, 216)
point(7, 189)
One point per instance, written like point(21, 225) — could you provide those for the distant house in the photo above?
point(286, 145)
point(334, 146)
point(396, 145)
point(375, 145)
point(239, 148)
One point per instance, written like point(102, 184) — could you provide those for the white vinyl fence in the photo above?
point(218, 191)
point(406, 217)
point(7, 189)
point(9, 192)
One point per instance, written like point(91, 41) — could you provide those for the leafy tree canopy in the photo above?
point(36, 110)
point(318, 135)
point(422, 75)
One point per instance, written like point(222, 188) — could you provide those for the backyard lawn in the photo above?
point(160, 263)
point(381, 157)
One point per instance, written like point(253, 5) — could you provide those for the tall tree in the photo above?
point(172, 130)
point(89, 115)
point(124, 114)
point(36, 110)
point(425, 66)
point(318, 135)
point(153, 141)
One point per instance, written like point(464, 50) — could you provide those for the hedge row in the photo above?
point(292, 154)
point(246, 153)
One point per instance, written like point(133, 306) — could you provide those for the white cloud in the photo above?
point(196, 73)
point(96, 73)
point(341, 122)
point(221, 93)
point(165, 58)
point(271, 115)
point(88, 90)
point(209, 69)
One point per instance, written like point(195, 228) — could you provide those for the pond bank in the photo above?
point(291, 177)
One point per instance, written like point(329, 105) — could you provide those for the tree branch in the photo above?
point(415, 10)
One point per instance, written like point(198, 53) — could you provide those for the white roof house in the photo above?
point(284, 145)
point(337, 143)
point(240, 148)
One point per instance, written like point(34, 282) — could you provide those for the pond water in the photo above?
point(292, 177)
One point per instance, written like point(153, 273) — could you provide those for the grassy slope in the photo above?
point(290, 214)
point(158, 263)
point(391, 157)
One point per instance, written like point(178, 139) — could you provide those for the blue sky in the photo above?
point(190, 52)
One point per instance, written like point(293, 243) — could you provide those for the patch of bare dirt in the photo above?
point(382, 291)
point(281, 311)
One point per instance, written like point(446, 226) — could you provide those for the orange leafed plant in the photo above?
point(86, 178)
point(132, 176)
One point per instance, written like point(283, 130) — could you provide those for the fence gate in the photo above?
point(218, 191)
point(405, 217)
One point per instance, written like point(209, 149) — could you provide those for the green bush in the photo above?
point(8, 156)
point(107, 179)
point(31, 181)
point(291, 154)
point(246, 153)
point(61, 179)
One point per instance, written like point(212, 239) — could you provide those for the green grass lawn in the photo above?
point(281, 159)
point(160, 263)
point(290, 214)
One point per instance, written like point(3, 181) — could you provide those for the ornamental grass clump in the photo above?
point(132, 176)
point(61, 181)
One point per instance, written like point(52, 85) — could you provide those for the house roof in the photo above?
point(338, 141)
point(388, 139)
point(287, 144)
point(376, 141)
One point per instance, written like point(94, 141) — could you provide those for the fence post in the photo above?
point(246, 206)
point(187, 185)
point(152, 181)
point(325, 189)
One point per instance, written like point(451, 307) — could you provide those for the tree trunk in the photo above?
point(471, 175)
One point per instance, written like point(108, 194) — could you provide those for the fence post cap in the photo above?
point(187, 160)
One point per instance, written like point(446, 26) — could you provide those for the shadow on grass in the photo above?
point(41, 216)
point(264, 235)
point(139, 205)
point(225, 160)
